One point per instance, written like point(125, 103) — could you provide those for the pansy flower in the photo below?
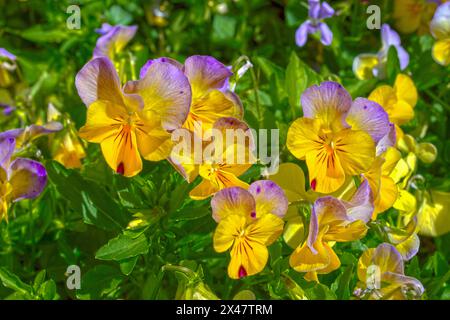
point(317, 13)
point(413, 15)
point(7, 65)
point(366, 65)
point(382, 276)
point(113, 39)
point(433, 218)
point(134, 121)
point(336, 137)
point(20, 178)
point(223, 168)
point(332, 220)
point(248, 222)
point(398, 101)
point(211, 98)
point(440, 29)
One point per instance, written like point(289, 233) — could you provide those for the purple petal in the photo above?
point(326, 11)
point(440, 25)
point(301, 35)
point(36, 130)
point(403, 57)
point(234, 200)
point(6, 54)
point(165, 90)
point(313, 230)
point(13, 133)
point(106, 27)
point(329, 101)
point(389, 37)
point(114, 40)
point(387, 141)
point(205, 73)
point(326, 36)
point(388, 258)
point(7, 147)
point(27, 178)
point(98, 80)
point(163, 59)
point(314, 9)
point(370, 117)
point(269, 198)
point(360, 207)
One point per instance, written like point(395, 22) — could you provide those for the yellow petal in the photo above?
point(291, 179)
point(387, 195)
point(407, 15)
point(102, 121)
point(355, 150)
point(364, 262)
point(363, 66)
point(302, 137)
point(121, 152)
point(265, 230)
point(203, 190)
point(247, 258)
point(441, 52)
point(405, 89)
point(401, 112)
point(385, 96)
point(227, 230)
point(294, 231)
point(405, 202)
point(434, 214)
point(325, 171)
point(391, 157)
point(349, 232)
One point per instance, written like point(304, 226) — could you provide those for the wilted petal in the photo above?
point(326, 36)
point(407, 284)
point(205, 73)
point(269, 198)
point(165, 90)
point(27, 178)
point(328, 102)
point(114, 40)
point(364, 65)
point(98, 80)
point(370, 117)
point(235, 201)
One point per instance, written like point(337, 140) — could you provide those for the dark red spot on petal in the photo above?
point(313, 184)
point(242, 272)
point(258, 189)
point(253, 214)
point(120, 168)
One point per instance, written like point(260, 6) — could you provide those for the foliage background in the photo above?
point(82, 211)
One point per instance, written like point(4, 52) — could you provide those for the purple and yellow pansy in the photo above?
point(248, 222)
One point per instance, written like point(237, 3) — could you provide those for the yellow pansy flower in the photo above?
point(434, 214)
point(69, 151)
point(413, 15)
point(134, 121)
point(248, 222)
point(336, 137)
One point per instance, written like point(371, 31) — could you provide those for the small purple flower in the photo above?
point(389, 38)
point(7, 109)
point(317, 12)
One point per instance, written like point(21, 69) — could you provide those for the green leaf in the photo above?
point(123, 247)
point(99, 282)
point(296, 82)
point(39, 34)
point(11, 281)
point(320, 292)
point(393, 64)
point(127, 265)
point(48, 290)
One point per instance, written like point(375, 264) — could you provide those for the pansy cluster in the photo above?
point(349, 161)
